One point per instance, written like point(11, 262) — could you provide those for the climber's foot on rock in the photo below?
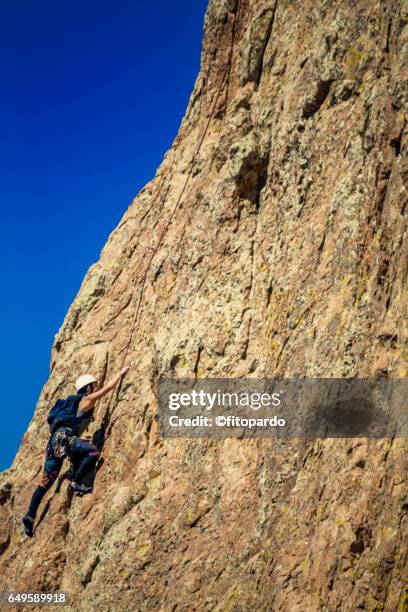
point(80, 488)
point(28, 523)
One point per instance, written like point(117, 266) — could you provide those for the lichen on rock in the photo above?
point(271, 242)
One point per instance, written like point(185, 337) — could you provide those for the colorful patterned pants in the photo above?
point(77, 450)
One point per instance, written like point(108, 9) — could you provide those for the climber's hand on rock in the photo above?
point(123, 371)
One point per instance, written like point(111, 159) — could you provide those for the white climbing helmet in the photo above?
point(84, 380)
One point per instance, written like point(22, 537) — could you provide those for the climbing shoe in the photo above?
point(80, 488)
point(28, 523)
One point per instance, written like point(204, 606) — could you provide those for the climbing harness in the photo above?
point(60, 443)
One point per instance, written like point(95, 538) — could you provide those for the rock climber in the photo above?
point(67, 420)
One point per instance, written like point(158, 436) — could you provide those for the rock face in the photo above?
point(272, 242)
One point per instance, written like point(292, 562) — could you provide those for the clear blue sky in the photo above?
point(92, 94)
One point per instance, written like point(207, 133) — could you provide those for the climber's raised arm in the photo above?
point(88, 401)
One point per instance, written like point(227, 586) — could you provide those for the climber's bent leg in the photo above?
point(89, 455)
